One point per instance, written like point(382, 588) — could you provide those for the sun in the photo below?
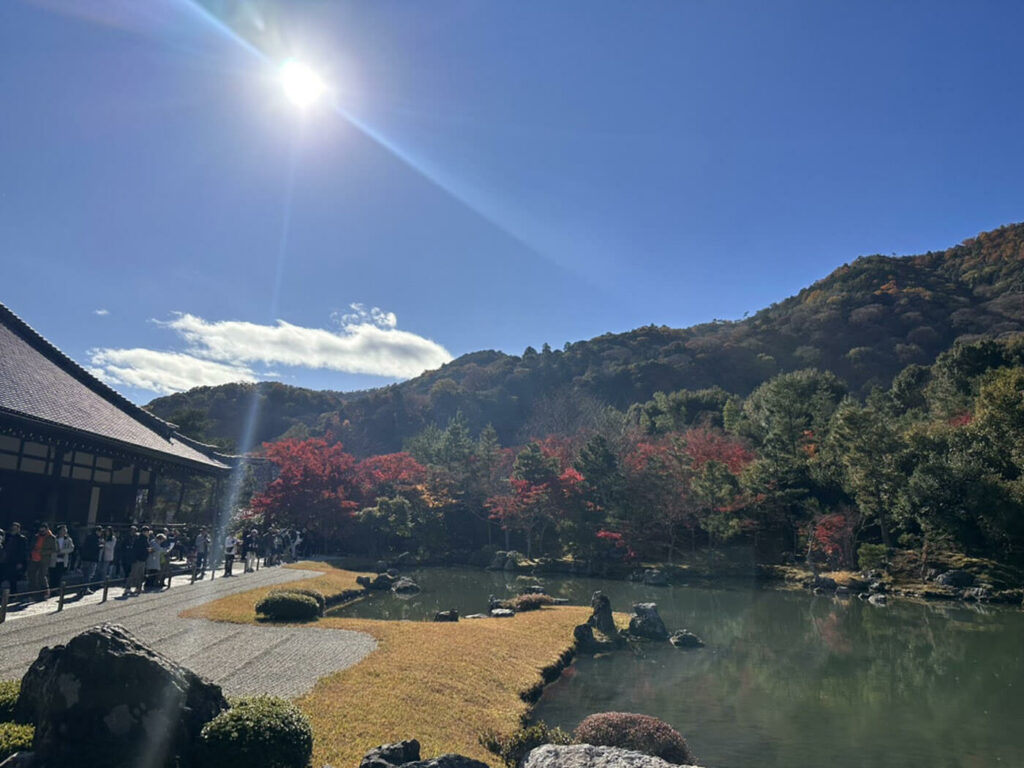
point(302, 85)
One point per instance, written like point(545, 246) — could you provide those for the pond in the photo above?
point(788, 679)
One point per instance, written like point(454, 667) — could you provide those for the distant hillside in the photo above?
point(865, 322)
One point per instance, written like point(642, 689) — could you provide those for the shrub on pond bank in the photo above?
point(530, 602)
point(641, 733)
point(288, 606)
point(317, 596)
point(15, 737)
point(258, 732)
point(512, 749)
point(9, 690)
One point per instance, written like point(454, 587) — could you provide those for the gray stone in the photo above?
point(877, 599)
point(405, 585)
point(450, 760)
point(646, 622)
point(589, 756)
point(655, 578)
point(956, 578)
point(684, 638)
point(389, 755)
point(601, 619)
point(498, 561)
point(476, 616)
point(534, 589)
point(502, 613)
point(452, 615)
point(381, 581)
point(105, 700)
point(512, 560)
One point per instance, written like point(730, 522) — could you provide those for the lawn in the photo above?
point(441, 683)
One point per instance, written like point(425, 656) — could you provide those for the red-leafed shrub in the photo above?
point(641, 733)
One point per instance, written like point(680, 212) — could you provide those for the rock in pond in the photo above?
point(589, 756)
point(498, 561)
point(956, 578)
point(601, 619)
point(646, 622)
point(684, 638)
point(476, 616)
point(452, 615)
point(380, 581)
point(502, 613)
point(654, 577)
point(407, 754)
point(105, 700)
point(405, 585)
point(877, 599)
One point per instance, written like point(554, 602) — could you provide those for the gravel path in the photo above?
point(241, 658)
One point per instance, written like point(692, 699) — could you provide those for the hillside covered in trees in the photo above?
point(864, 323)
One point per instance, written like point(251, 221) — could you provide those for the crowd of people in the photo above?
point(140, 557)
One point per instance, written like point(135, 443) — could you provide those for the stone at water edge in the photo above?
point(684, 638)
point(498, 561)
point(105, 700)
point(451, 615)
point(646, 622)
point(381, 581)
point(956, 578)
point(653, 577)
point(601, 619)
point(405, 584)
point(589, 756)
point(502, 613)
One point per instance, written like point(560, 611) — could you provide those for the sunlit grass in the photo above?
point(441, 683)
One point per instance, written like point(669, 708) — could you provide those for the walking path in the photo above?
point(241, 658)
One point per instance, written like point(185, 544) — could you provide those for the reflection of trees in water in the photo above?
point(799, 681)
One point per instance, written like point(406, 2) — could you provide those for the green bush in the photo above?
point(641, 733)
point(9, 690)
point(521, 603)
point(514, 748)
point(318, 596)
point(15, 738)
point(288, 606)
point(871, 556)
point(257, 732)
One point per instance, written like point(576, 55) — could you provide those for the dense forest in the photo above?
point(881, 408)
point(865, 323)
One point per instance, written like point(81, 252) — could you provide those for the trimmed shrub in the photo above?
point(318, 596)
point(521, 603)
point(288, 606)
point(641, 733)
point(9, 690)
point(15, 737)
point(257, 732)
point(871, 556)
point(514, 748)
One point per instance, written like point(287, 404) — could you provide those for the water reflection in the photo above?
point(787, 679)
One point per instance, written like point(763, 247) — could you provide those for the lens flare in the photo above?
point(302, 85)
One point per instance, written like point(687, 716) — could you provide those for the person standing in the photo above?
point(44, 549)
point(202, 544)
point(123, 552)
point(108, 551)
point(139, 549)
point(91, 554)
point(230, 544)
point(15, 557)
point(62, 557)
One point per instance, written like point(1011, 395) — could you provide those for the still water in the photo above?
point(787, 680)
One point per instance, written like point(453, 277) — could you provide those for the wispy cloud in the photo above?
point(101, 312)
point(366, 341)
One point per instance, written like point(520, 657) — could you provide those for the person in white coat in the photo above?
point(62, 557)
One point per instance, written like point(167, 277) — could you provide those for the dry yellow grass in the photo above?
point(442, 683)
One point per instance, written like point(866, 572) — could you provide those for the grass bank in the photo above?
point(441, 683)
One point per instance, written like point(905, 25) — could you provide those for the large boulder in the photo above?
point(646, 622)
point(450, 615)
point(601, 619)
point(655, 578)
point(589, 756)
point(105, 700)
point(381, 581)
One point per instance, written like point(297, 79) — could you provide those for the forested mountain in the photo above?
point(865, 322)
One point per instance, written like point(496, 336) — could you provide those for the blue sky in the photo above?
point(480, 175)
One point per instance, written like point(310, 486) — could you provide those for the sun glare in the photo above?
point(302, 85)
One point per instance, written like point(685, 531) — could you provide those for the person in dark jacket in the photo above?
point(15, 557)
point(140, 553)
point(91, 551)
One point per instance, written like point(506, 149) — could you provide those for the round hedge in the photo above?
point(288, 606)
point(9, 690)
point(257, 732)
point(318, 596)
point(15, 737)
point(641, 733)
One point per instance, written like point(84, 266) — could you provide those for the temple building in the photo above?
point(72, 450)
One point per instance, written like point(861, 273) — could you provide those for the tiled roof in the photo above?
point(39, 382)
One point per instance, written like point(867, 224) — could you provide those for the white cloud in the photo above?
point(367, 342)
point(163, 372)
point(101, 312)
